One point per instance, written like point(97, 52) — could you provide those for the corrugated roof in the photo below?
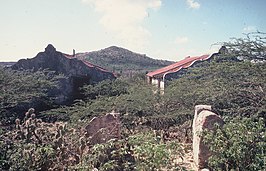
point(185, 63)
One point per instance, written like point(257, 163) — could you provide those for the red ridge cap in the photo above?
point(87, 63)
point(185, 63)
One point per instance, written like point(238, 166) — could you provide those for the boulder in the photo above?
point(204, 118)
point(103, 128)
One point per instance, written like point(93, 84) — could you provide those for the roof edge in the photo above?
point(197, 58)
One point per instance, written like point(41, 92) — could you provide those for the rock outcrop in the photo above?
point(77, 72)
point(204, 118)
point(103, 128)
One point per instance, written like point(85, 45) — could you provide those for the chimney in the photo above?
point(74, 53)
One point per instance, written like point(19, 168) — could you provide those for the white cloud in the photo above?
point(249, 29)
point(124, 18)
point(181, 40)
point(193, 4)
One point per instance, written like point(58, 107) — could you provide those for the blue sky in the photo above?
point(161, 29)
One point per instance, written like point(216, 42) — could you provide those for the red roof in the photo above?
point(185, 63)
point(94, 66)
point(86, 63)
point(68, 56)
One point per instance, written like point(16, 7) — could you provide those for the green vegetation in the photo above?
point(55, 146)
point(232, 88)
point(19, 88)
point(238, 145)
point(123, 61)
point(235, 89)
point(252, 47)
point(106, 88)
point(137, 152)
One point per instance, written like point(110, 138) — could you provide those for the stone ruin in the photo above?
point(77, 72)
point(103, 128)
point(204, 118)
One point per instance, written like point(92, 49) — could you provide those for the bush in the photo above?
point(106, 88)
point(142, 151)
point(232, 88)
point(239, 145)
point(22, 89)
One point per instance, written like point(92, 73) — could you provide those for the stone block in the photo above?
point(204, 118)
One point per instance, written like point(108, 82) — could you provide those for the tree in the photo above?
point(252, 47)
point(23, 87)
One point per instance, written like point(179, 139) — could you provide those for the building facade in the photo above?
point(160, 76)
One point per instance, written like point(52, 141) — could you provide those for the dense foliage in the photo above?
point(106, 88)
point(17, 86)
point(239, 145)
point(21, 88)
point(141, 151)
point(232, 88)
point(55, 146)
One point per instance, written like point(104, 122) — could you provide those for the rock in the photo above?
point(50, 49)
point(203, 119)
point(204, 169)
point(103, 128)
point(198, 109)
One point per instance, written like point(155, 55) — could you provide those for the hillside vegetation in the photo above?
point(123, 61)
point(21, 89)
point(156, 129)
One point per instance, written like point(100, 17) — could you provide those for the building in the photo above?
point(173, 71)
point(77, 72)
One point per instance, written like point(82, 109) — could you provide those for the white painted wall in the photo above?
point(154, 81)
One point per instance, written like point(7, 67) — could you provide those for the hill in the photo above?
point(7, 64)
point(121, 60)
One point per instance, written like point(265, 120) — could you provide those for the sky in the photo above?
point(161, 29)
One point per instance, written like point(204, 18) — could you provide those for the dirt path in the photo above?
point(187, 161)
point(183, 161)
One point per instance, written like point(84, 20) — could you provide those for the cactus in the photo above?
point(31, 111)
point(82, 147)
point(18, 124)
point(33, 134)
point(33, 116)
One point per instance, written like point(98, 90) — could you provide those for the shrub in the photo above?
point(106, 88)
point(142, 151)
point(22, 89)
point(239, 145)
